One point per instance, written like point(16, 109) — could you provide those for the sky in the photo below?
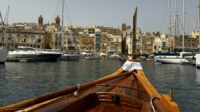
point(153, 15)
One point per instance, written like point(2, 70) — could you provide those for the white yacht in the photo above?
point(182, 58)
point(30, 54)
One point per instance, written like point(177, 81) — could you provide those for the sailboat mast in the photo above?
point(175, 25)
point(63, 7)
point(199, 21)
point(169, 9)
point(62, 26)
point(134, 34)
point(183, 41)
point(4, 26)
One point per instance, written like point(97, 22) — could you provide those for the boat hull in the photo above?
point(32, 57)
point(69, 57)
point(182, 58)
point(172, 60)
point(192, 61)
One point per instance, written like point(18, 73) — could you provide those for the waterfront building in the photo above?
point(160, 44)
point(170, 44)
point(111, 39)
point(86, 43)
point(31, 38)
point(110, 30)
point(190, 42)
point(104, 43)
point(56, 40)
point(70, 42)
point(114, 44)
point(97, 41)
point(195, 34)
point(147, 40)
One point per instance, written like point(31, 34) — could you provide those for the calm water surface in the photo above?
point(19, 81)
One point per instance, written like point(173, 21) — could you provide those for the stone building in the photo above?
point(86, 43)
point(147, 43)
point(17, 38)
point(160, 44)
point(114, 44)
point(104, 43)
point(189, 42)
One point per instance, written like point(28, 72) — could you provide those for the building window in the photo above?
point(39, 40)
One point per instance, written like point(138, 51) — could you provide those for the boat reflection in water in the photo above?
point(3, 55)
point(30, 54)
point(70, 57)
point(198, 76)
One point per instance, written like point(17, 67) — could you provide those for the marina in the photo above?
point(56, 66)
point(21, 81)
point(126, 90)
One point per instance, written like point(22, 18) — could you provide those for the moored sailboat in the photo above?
point(195, 60)
point(176, 58)
point(126, 90)
point(73, 54)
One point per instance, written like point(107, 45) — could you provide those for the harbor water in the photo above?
point(20, 81)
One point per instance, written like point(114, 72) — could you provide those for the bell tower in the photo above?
point(40, 20)
point(57, 21)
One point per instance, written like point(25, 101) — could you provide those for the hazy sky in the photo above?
point(152, 14)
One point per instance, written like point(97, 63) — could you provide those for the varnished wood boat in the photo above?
point(126, 90)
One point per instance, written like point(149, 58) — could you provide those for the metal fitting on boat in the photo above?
point(78, 90)
point(152, 104)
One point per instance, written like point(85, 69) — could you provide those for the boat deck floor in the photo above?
point(112, 108)
point(108, 107)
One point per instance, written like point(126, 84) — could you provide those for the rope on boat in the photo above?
point(152, 104)
point(76, 93)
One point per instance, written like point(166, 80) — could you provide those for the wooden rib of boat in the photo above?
point(126, 90)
